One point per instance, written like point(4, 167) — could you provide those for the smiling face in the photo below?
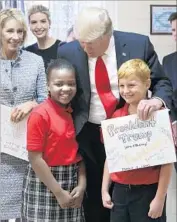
point(132, 89)
point(62, 85)
point(12, 36)
point(39, 25)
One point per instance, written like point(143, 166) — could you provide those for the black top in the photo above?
point(47, 54)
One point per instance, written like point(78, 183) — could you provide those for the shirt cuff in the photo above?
point(164, 105)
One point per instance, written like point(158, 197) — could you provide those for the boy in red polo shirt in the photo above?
point(55, 180)
point(138, 195)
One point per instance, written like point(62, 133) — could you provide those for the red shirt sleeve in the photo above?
point(36, 132)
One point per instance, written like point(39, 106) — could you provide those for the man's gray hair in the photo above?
point(92, 23)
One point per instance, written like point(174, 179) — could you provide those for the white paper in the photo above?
point(13, 135)
point(131, 143)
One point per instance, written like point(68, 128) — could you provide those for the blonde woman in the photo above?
point(22, 86)
point(46, 46)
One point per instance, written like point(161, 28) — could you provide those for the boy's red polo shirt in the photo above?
point(50, 130)
point(143, 176)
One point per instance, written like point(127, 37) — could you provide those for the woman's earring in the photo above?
point(49, 94)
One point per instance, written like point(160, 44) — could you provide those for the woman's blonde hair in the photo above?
point(39, 8)
point(13, 13)
point(134, 68)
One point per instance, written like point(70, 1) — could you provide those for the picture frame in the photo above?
point(159, 14)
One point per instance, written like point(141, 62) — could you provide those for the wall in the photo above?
point(134, 16)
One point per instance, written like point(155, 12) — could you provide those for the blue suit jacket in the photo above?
point(170, 67)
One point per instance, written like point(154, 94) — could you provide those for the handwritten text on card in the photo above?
point(131, 143)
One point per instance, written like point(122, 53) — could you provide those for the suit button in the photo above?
point(12, 102)
point(15, 89)
point(6, 70)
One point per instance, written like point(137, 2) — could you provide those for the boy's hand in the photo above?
point(64, 199)
point(156, 208)
point(78, 195)
point(106, 199)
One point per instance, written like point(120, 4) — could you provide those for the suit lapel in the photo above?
point(83, 71)
point(174, 69)
point(122, 52)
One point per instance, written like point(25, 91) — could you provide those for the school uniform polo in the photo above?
point(50, 130)
point(145, 176)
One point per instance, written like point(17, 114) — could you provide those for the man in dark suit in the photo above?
point(97, 55)
point(170, 65)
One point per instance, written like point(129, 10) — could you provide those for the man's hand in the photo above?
point(147, 107)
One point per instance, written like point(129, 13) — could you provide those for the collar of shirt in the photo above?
point(59, 108)
point(110, 46)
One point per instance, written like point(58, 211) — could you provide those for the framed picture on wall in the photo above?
point(159, 14)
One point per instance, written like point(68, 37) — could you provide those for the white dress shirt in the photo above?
point(97, 112)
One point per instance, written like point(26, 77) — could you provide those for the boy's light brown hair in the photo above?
point(134, 68)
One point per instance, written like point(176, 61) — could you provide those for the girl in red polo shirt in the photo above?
point(55, 181)
point(138, 195)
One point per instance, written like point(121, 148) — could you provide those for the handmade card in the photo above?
point(131, 143)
